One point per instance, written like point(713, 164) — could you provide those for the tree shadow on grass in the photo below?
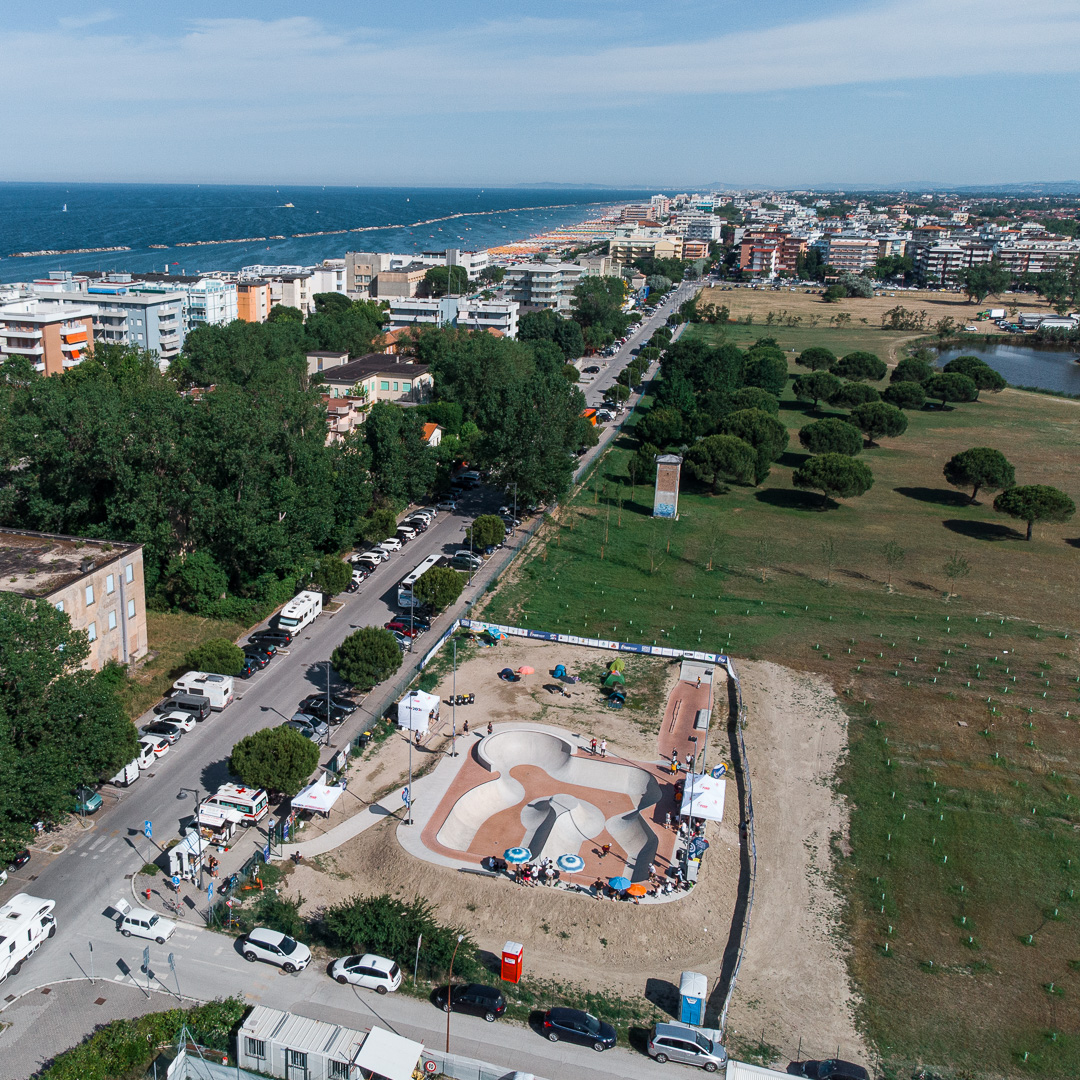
point(793, 499)
point(941, 496)
point(1074, 542)
point(792, 459)
point(982, 530)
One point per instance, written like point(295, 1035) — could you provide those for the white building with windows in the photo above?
point(543, 285)
point(500, 315)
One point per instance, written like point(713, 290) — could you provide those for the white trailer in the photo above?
point(25, 922)
point(218, 688)
point(302, 610)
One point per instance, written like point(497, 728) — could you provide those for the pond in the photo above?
point(1026, 365)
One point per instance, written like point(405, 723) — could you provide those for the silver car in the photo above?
point(687, 1045)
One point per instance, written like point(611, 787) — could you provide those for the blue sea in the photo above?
point(136, 216)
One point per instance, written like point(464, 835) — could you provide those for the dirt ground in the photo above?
point(597, 945)
point(794, 984)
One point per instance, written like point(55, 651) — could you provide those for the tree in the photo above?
point(332, 575)
point(894, 559)
point(834, 293)
point(981, 467)
point(817, 386)
point(763, 432)
point(492, 275)
point(905, 395)
point(860, 366)
point(333, 302)
point(835, 475)
point(956, 567)
point(216, 655)
point(951, 386)
point(1035, 502)
point(444, 280)
point(945, 327)
point(279, 759)
point(912, 369)
point(857, 285)
point(980, 372)
point(721, 457)
point(285, 313)
point(876, 419)
point(661, 426)
point(439, 587)
point(486, 529)
point(658, 283)
point(831, 436)
point(754, 397)
point(379, 523)
point(642, 464)
point(985, 279)
point(816, 358)
point(766, 368)
point(850, 395)
point(598, 302)
point(367, 656)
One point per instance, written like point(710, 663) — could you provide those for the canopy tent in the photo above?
point(388, 1055)
point(416, 710)
point(219, 817)
point(703, 797)
point(318, 797)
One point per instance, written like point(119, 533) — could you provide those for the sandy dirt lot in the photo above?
point(794, 981)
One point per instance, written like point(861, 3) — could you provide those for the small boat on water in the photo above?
point(65, 209)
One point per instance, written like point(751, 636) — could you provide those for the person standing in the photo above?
point(674, 762)
point(490, 728)
point(592, 746)
point(689, 762)
point(604, 850)
point(603, 747)
point(465, 727)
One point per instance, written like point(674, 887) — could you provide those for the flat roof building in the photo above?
point(53, 338)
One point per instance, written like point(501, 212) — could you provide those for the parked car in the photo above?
point(391, 543)
point(576, 1025)
point(318, 726)
point(679, 1042)
point(405, 533)
point(141, 922)
point(833, 1069)
point(183, 720)
point(280, 638)
point(420, 524)
point(158, 744)
point(87, 800)
point(19, 861)
point(447, 504)
point(288, 953)
point(401, 626)
point(146, 757)
point(197, 704)
point(256, 656)
point(474, 998)
point(165, 729)
point(249, 667)
point(402, 640)
point(469, 556)
point(317, 701)
point(317, 709)
point(369, 971)
point(592, 369)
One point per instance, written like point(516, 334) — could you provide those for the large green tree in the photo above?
point(876, 419)
point(860, 367)
point(816, 358)
point(763, 432)
point(831, 436)
point(912, 369)
point(439, 587)
point(720, 458)
point(1035, 502)
point(279, 759)
point(402, 463)
point(598, 302)
point(850, 395)
point(60, 725)
point(951, 386)
point(978, 371)
point(486, 529)
point(834, 475)
point(217, 655)
point(332, 575)
point(905, 395)
point(366, 657)
point(441, 280)
point(980, 468)
point(816, 387)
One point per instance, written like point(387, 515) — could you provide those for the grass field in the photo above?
point(963, 769)
point(887, 344)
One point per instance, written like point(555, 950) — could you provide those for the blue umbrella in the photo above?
point(517, 855)
point(571, 863)
point(619, 883)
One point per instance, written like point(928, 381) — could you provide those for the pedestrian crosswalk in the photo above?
point(93, 847)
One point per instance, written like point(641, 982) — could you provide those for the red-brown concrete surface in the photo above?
point(684, 702)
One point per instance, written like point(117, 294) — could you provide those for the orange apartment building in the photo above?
point(253, 301)
point(54, 337)
point(769, 252)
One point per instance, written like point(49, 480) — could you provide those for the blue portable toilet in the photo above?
point(693, 989)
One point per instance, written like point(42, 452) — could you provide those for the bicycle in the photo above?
point(174, 908)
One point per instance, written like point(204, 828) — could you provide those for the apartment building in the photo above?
point(53, 338)
point(599, 266)
point(324, 360)
point(329, 277)
point(98, 584)
point(1037, 256)
point(398, 282)
point(207, 301)
point(543, 285)
point(292, 290)
point(938, 264)
point(848, 254)
point(253, 301)
point(770, 252)
point(361, 270)
point(500, 316)
point(629, 244)
point(473, 262)
point(379, 377)
point(695, 225)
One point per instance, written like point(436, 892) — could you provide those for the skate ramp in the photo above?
point(559, 824)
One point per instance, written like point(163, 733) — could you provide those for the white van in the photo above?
point(251, 803)
point(25, 922)
point(128, 774)
point(302, 610)
point(218, 688)
point(142, 922)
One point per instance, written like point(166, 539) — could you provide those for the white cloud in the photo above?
point(80, 22)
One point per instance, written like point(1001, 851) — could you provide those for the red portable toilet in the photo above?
point(512, 961)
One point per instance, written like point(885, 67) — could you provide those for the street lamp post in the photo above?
point(183, 794)
point(450, 991)
point(329, 705)
point(408, 803)
point(453, 708)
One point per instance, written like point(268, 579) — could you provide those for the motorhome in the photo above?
point(250, 802)
point(218, 688)
point(302, 610)
point(25, 922)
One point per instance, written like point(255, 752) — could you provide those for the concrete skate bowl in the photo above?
point(554, 802)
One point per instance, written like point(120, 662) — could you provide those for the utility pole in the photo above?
point(453, 708)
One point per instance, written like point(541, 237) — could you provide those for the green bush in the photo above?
point(367, 656)
point(439, 587)
point(216, 655)
point(277, 758)
point(332, 575)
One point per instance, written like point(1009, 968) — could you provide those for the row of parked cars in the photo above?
point(366, 562)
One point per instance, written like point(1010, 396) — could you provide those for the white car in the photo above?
point(288, 953)
point(448, 505)
point(369, 971)
point(183, 720)
point(158, 745)
point(141, 922)
point(391, 543)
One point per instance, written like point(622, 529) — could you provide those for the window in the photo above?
point(338, 1070)
point(131, 609)
point(110, 584)
point(129, 572)
point(395, 385)
point(297, 1058)
point(59, 605)
point(89, 595)
point(406, 386)
point(91, 631)
point(384, 384)
point(112, 620)
point(255, 1047)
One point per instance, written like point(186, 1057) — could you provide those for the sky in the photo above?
point(677, 94)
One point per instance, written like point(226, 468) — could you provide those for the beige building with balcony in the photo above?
point(99, 586)
point(54, 339)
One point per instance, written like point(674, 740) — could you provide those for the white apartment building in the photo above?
point(848, 254)
point(545, 285)
point(330, 277)
point(500, 315)
point(207, 301)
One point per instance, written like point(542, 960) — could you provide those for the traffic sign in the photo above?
point(405, 796)
point(210, 891)
point(172, 963)
point(266, 853)
point(176, 880)
point(146, 959)
point(430, 1067)
point(148, 829)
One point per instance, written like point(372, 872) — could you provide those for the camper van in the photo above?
point(218, 688)
point(25, 922)
point(250, 802)
point(302, 610)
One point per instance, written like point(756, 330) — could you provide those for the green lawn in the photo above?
point(841, 340)
point(962, 843)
